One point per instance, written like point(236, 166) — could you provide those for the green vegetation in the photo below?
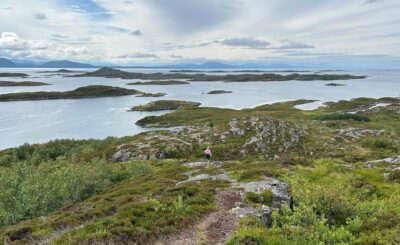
point(24, 83)
point(115, 73)
point(219, 92)
point(167, 82)
point(91, 91)
point(333, 206)
point(136, 189)
point(264, 197)
point(161, 105)
point(343, 116)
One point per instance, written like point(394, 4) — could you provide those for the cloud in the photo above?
point(136, 33)
point(40, 16)
point(138, 56)
point(294, 45)
point(11, 41)
point(59, 36)
point(246, 43)
point(373, 1)
point(194, 15)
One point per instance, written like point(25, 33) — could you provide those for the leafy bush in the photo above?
point(343, 116)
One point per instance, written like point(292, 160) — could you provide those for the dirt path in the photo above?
point(214, 228)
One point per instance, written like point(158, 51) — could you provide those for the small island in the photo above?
point(21, 84)
point(59, 71)
point(12, 74)
point(151, 95)
point(91, 91)
point(166, 82)
point(219, 92)
point(161, 105)
point(335, 84)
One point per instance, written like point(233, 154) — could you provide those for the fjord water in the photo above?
point(41, 121)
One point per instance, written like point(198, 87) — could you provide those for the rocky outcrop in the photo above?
point(267, 135)
point(153, 146)
point(280, 196)
point(390, 160)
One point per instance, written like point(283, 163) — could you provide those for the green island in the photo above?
point(265, 77)
point(161, 105)
point(151, 95)
point(24, 83)
point(167, 82)
point(219, 92)
point(278, 175)
point(91, 91)
point(13, 74)
point(59, 71)
point(335, 84)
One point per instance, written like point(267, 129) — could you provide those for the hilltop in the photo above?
point(278, 175)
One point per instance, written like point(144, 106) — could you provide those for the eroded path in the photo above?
point(214, 228)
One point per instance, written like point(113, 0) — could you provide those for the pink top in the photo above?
point(207, 151)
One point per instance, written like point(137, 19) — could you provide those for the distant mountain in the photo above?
point(7, 63)
point(65, 64)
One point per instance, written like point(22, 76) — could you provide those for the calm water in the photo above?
point(41, 121)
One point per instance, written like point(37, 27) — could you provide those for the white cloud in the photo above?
point(198, 30)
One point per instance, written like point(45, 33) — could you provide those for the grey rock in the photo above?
point(390, 160)
point(280, 190)
point(263, 213)
point(121, 156)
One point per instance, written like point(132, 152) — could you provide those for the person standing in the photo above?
point(208, 153)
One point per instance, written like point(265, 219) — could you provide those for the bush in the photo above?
point(343, 116)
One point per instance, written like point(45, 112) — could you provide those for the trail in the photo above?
point(214, 228)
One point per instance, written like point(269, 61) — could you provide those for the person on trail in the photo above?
point(208, 153)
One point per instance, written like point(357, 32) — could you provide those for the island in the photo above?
point(21, 84)
point(151, 95)
point(59, 71)
point(161, 82)
point(219, 92)
point(12, 74)
point(91, 91)
point(335, 84)
point(161, 105)
point(263, 77)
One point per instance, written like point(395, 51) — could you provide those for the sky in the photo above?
point(183, 31)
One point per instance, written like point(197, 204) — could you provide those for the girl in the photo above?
point(208, 153)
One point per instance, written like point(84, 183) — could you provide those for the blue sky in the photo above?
point(174, 31)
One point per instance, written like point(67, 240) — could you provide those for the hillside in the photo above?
point(278, 175)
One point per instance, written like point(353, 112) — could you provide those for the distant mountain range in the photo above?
point(11, 63)
point(49, 64)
